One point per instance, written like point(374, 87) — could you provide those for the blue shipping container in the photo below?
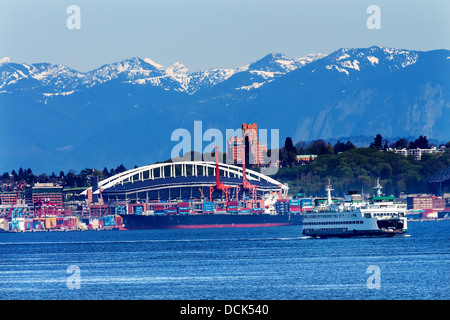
point(121, 210)
point(306, 202)
point(208, 205)
point(109, 221)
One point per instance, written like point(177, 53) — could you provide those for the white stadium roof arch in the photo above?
point(182, 169)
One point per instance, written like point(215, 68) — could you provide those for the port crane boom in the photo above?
point(15, 200)
point(219, 186)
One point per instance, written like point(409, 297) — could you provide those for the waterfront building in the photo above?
point(44, 193)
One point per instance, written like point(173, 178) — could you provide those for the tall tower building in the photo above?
point(257, 151)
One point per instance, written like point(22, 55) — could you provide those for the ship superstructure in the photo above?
point(381, 216)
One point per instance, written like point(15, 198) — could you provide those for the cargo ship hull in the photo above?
point(216, 220)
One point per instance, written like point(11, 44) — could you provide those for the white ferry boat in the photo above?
point(379, 217)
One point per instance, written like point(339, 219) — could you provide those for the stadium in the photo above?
point(184, 181)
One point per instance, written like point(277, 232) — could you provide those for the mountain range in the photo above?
point(57, 118)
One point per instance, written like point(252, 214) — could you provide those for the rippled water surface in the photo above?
point(231, 263)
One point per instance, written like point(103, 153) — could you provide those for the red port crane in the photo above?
point(44, 207)
point(15, 200)
point(219, 186)
point(246, 185)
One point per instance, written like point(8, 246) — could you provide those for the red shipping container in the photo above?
point(119, 221)
point(183, 204)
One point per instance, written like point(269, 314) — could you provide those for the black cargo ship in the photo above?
point(220, 214)
point(208, 220)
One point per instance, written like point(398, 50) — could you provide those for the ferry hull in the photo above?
point(359, 233)
point(196, 221)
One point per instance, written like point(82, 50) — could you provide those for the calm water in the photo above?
point(243, 263)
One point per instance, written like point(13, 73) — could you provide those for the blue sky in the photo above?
point(203, 34)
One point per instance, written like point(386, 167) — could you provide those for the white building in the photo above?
point(417, 153)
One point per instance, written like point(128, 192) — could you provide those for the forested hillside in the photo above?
point(359, 168)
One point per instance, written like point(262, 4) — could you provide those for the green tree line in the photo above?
point(71, 179)
point(359, 168)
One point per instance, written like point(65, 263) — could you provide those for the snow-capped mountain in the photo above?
point(134, 71)
point(60, 79)
point(271, 67)
point(42, 77)
point(348, 60)
point(57, 118)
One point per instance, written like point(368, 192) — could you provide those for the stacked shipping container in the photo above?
point(184, 207)
point(282, 206)
point(208, 207)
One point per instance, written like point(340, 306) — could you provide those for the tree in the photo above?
point(342, 147)
point(288, 145)
point(98, 174)
point(31, 179)
point(70, 179)
point(53, 178)
point(301, 146)
point(385, 147)
point(319, 147)
point(377, 142)
point(43, 178)
point(14, 174)
point(105, 173)
point(120, 168)
point(401, 143)
point(21, 175)
point(421, 143)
